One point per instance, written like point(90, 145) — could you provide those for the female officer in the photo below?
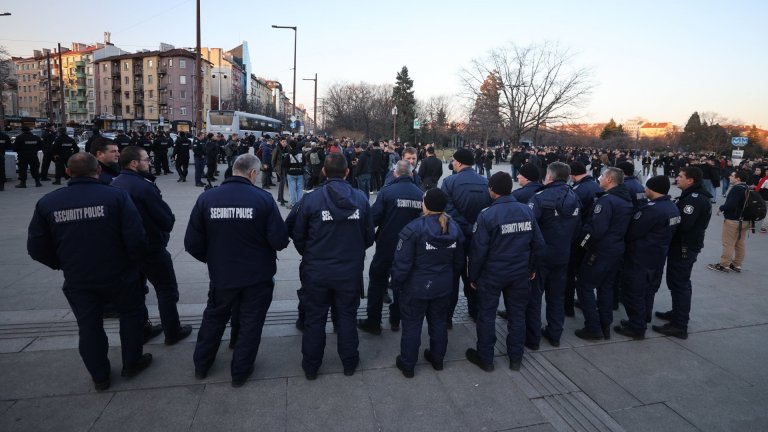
point(428, 254)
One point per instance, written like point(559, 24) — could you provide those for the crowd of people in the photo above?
point(581, 226)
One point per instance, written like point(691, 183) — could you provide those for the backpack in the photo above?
point(754, 207)
point(314, 158)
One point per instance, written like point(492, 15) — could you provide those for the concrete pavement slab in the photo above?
point(652, 418)
point(56, 414)
point(46, 373)
point(167, 409)
point(543, 427)
point(258, 406)
point(419, 403)
point(597, 385)
point(14, 345)
point(725, 410)
point(658, 370)
point(349, 407)
point(5, 405)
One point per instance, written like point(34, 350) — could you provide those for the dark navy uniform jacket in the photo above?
point(525, 193)
point(64, 146)
point(558, 212)
point(603, 234)
point(108, 173)
point(637, 190)
point(391, 177)
point(396, 206)
point(236, 229)
point(91, 231)
point(506, 244)
point(650, 233)
point(587, 189)
point(157, 216)
point(181, 148)
point(331, 231)
point(27, 144)
point(122, 141)
point(426, 260)
point(467, 195)
point(695, 212)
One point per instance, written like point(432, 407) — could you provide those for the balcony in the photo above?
point(80, 73)
point(79, 110)
point(138, 87)
point(138, 99)
point(162, 70)
point(138, 70)
point(116, 86)
point(79, 98)
point(163, 100)
point(80, 64)
point(115, 72)
point(118, 112)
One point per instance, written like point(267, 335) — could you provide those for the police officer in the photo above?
point(198, 152)
point(5, 145)
point(647, 243)
point(633, 184)
point(409, 154)
point(231, 228)
point(557, 210)
point(160, 148)
point(602, 237)
point(63, 147)
point(108, 155)
point(429, 252)
point(181, 155)
point(467, 195)
point(331, 269)
point(695, 213)
point(66, 225)
point(48, 137)
point(157, 264)
point(212, 154)
point(430, 170)
point(145, 142)
point(506, 247)
point(586, 189)
point(122, 140)
point(396, 206)
point(95, 134)
point(528, 177)
point(26, 147)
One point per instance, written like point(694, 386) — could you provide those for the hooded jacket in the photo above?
point(331, 228)
point(155, 213)
point(426, 259)
point(695, 212)
point(604, 232)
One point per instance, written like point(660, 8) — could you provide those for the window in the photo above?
point(106, 94)
point(89, 70)
point(170, 111)
point(127, 80)
point(90, 82)
point(90, 94)
point(104, 67)
point(183, 111)
point(182, 64)
point(151, 94)
point(183, 94)
point(150, 80)
point(170, 94)
point(151, 110)
point(170, 63)
point(91, 107)
point(183, 79)
point(150, 63)
point(125, 66)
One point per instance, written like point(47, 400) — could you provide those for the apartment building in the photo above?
point(653, 130)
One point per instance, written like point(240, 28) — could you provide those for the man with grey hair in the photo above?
point(602, 238)
point(396, 205)
point(232, 227)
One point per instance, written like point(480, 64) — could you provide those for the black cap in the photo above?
point(501, 183)
point(627, 167)
point(464, 157)
point(658, 184)
point(577, 168)
point(530, 171)
point(435, 200)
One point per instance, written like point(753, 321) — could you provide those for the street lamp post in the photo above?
point(5, 14)
point(295, 36)
point(314, 106)
point(394, 123)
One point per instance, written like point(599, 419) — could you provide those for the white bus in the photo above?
point(229, 122)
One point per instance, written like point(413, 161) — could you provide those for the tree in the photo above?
point(485, 119)
point(611, 130)
point(7, 80)
point(363, 108)
point(402, 95)
point(434, 113)
point(538, 86)
point(690, 139)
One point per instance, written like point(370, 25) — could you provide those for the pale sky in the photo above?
point(660, 60)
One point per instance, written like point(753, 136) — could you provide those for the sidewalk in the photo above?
point(716, 380)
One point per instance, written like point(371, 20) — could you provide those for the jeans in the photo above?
point(364, 183)
point(709, 187)
point(725, 183)
point(295, 187)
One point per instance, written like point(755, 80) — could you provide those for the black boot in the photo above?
point(22, 184)
point(38, 184)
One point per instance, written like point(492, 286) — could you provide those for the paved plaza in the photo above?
point(716, 380)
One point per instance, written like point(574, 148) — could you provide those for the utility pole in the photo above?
point(199, 80)
point(314, 107)
point(49, 103)
point(62, 118)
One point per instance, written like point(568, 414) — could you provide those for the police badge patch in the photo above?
point(598, 208)
point(530, 205)
point(688, 209)
point(474, 227)
point(638, 215)
point(400, 244)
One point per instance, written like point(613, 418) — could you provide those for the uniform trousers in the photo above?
point(516, 295)
point(87, 304)
point(157, 266)
point(378, 282)
point(30, 162)
point(679, 267)
point(640, 287)
point(316, 298)
point(413, 311)
point(199, 168)
point(550, 281)
point(600, 276)
point(182, 167)
point(253, 301)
